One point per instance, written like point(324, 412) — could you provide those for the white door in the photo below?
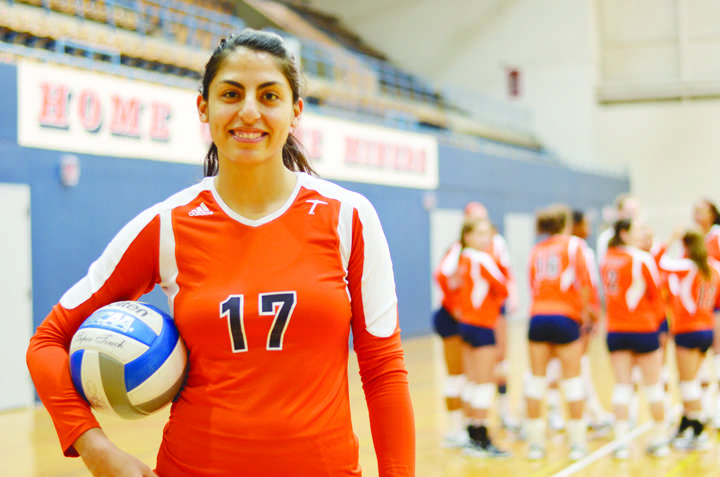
point(16, 390)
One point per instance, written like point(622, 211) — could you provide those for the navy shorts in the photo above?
point(664, 327)
point(444, 323)
point(476, 336)
point(701, 340)
point(636, 342)
point(555, 329)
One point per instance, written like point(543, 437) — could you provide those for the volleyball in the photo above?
point(128, 359)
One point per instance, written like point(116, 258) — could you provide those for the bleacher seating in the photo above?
point(172, 38)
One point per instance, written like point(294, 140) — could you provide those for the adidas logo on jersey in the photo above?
point(201, 209)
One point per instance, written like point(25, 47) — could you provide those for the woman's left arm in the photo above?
point(376, 340)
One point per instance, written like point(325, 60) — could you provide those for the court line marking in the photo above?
point(609, 447)
point(603, 451)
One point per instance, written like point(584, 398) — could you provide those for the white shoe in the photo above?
point(510, 423)
point(577, 452)
point(455, 440)
point(622, 453)
point(536, 452)
point(661, 449)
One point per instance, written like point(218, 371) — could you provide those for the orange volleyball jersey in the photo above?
point(483, 289)
point(448, 279)
point(692, 298)
point(631, 284)
point(266, 308)
point(558, 277)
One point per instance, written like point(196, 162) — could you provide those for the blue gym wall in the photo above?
point(71, 226)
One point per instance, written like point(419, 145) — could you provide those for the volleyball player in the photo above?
point(560, 291)
point(448, 278)
point(707, 217)
point(267, 270)
point(631, 285)
point(694, 284)
point(482, 293)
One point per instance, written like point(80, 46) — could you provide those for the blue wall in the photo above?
point(71, 226)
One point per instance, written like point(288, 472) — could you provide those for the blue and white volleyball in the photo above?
point(128, 359)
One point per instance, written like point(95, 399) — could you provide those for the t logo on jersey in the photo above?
point(315, 203)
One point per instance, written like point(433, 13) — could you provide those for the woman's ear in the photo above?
point(202, 108)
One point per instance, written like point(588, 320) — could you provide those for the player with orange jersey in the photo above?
point(560, 286)
point(444, 319)
point(631, 285)
point(268, 270)
point(482, 292)
point(707, 217)
point(694, 284)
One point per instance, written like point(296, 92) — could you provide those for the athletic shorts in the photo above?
point(476, 336)
point(444, 323)
point(664, 327)
point(701, 340)
point(554, 329)
point(636, 342)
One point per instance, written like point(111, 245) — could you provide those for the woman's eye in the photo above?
point(270, 96)
point(230, 94)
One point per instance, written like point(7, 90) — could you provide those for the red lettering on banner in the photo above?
point(159, 119)
point(54, 109)
point(312, 141)
point(385, 155)
point(89, 111)
point(125, 119)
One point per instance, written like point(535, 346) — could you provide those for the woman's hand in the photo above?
point(105, 459)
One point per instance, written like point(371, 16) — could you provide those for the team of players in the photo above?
point(643, 288)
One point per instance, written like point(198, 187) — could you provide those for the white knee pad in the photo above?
point(622, 394)
point(535, 387)
point(690, 390)
point(501, 369)
point(466, 393)
point(636, 375)
point(454, 385)
point(482, 396)
point(573, 389)
point(654, 393)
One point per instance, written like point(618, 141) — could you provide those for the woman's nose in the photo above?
point(249, 111)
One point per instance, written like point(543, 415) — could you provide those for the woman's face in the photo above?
point(702, 215)
point(642, 237)
point(480, 237)
point(249, 109)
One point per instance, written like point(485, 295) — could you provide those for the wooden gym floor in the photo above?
point(29, 447)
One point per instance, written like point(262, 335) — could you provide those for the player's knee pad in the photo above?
point(622, 394)
point(454, 385)
point(573, 389)
point(535, 387)
point(690, 390)
point(482, 396)
point(654, 393)
point(636, 375)
point(466, 393)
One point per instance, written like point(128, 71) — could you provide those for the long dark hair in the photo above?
point(622, 225)
point(694, 243)
point(293, 153)
point(714, 211)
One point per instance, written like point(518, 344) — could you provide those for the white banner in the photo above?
point(71, 110)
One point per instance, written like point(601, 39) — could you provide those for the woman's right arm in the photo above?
point(125, 270)
point(103, 458)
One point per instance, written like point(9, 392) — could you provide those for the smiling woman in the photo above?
point(267, 270)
